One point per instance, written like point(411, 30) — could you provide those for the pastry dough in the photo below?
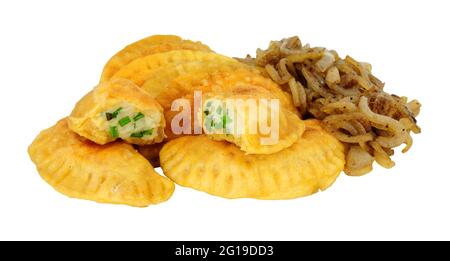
point(220, 168)
point(147, 46)
point(113, 173)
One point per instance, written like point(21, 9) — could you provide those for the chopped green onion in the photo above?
point(147, 132)
point(113, 115)
point(116, 112)
point(138, 116)
point(137, 135)
point(113, 131)
point(124, 121)
point(208, 104)
point(141, 134)
point(206, 112)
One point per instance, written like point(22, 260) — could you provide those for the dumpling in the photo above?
point(118, 109)
point(250, 117)
point(113, 173)
point(147, 46)
point(220, 168)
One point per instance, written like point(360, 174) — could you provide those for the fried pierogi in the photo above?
point(147, 46)
point(220, 168)
point(250, 117)
point(113, 173)
point(141, 69)
point(118, 109)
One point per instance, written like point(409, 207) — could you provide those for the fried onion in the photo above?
point(343, 93)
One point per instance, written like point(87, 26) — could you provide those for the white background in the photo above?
point(52, 53)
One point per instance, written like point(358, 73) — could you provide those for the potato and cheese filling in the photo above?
point(217, 119)
point(125, 122)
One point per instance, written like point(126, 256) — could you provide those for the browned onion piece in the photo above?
point(332, 76)
point(295, 92)
point(395, 126)
point(273, 73)
point(343, 106)
point(408, 142)
point(381, 157)
point(298, 58)
point(291, 46)
point(358, 161)
point(414, 107)
point(313, 83)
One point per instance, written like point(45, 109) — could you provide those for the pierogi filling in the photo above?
point(126, 122)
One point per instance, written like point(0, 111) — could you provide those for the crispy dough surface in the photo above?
point(114, 173)
point(220, 168)
point(141, 69)
point(147, 46)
